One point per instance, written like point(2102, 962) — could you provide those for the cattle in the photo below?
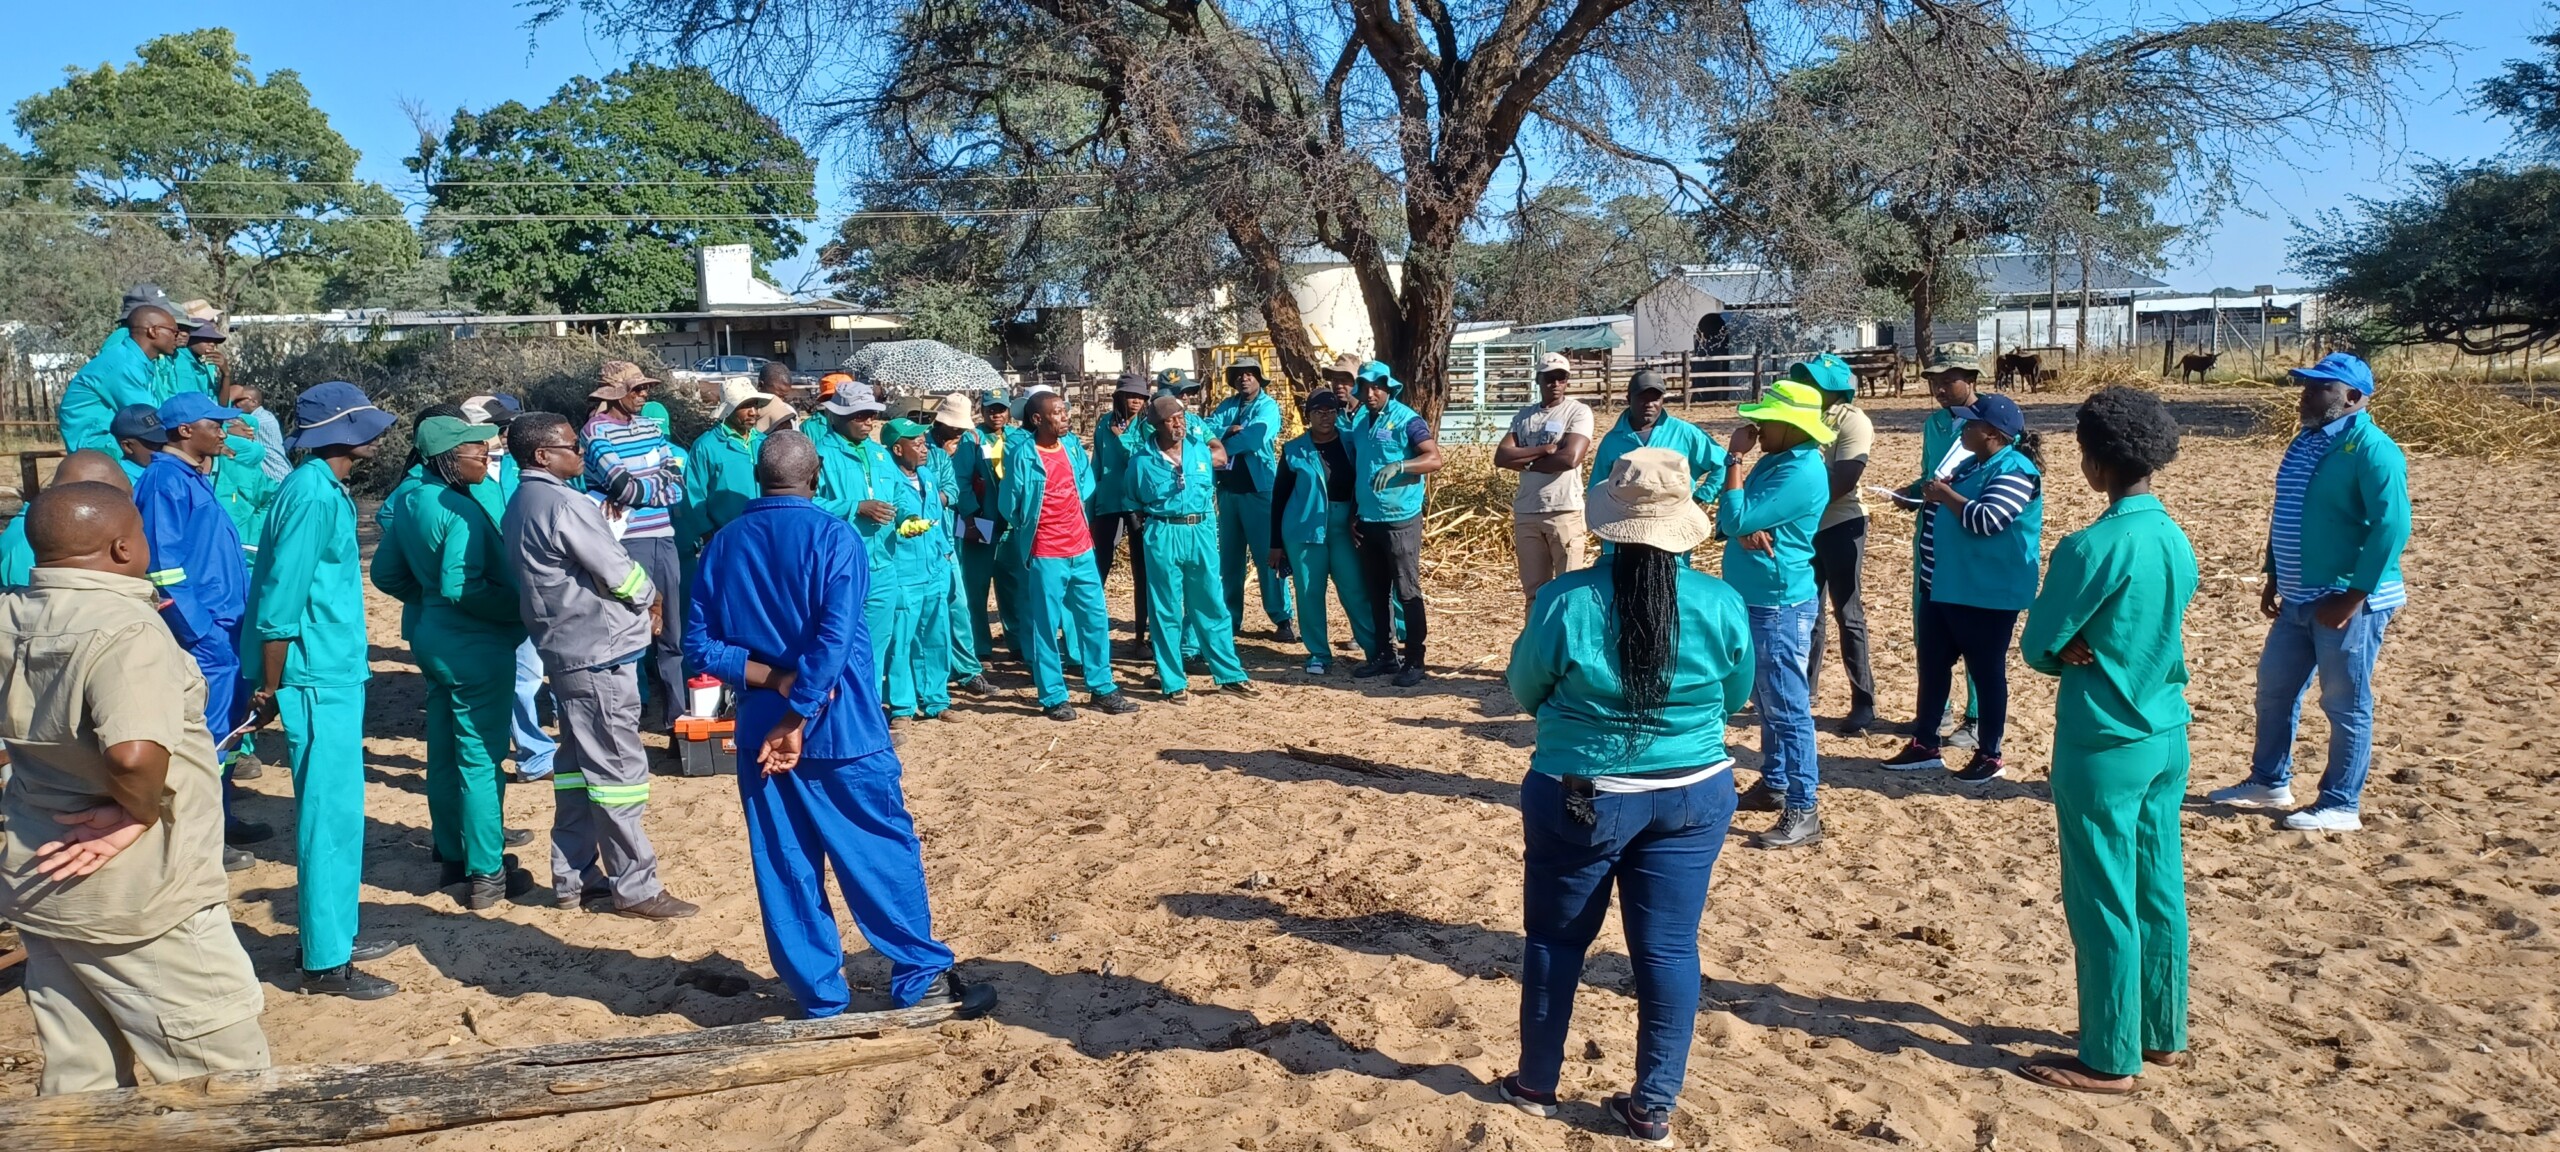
point(2014, 365)
point(2196, 364)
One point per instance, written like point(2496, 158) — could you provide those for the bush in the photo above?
point(550, 374)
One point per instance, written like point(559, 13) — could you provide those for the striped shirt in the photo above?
point(2284, 530)
point(637, 447)
point(1986, 515)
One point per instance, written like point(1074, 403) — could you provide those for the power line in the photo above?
point(566, 218)
point(730, 183)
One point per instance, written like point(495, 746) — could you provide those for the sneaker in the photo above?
point(1411, 675)
point(1860, 721)
point(1966, 735)
point(1914, 757)
point(968, 1000)
point(975, 686)
point(1383, 666)
point(2249, 794)
point(1115, 704)
point(1286, 633)
point(236, 832)
point(1644, 1125)
point(663, 906)
point(345, 980)
point(1760, 797)
point(372, 950)
point(1242, 688)
point(1318, 668)
point(1181, 699)
point(2331, 819)
point(1983, 769)
point(1520, 1097)
point(1062, 713)
point(1797, 828)
point(236, 860)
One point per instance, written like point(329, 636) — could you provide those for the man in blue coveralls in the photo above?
point(815, 766)
point(197, 563)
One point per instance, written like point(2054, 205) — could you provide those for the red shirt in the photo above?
point(1062, 528)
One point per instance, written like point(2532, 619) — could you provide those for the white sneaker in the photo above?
point(2246, 794)
point(2325, 820)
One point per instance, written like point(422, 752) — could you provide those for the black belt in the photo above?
point(1194, 519)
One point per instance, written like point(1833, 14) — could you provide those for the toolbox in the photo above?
point(706, 747)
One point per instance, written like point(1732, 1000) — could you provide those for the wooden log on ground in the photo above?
point(327, 1104)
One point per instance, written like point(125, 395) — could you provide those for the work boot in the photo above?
point(971, 1000)
point(1861, 719)
point(1286, 633)
point(663, 906)
point(1062, 713)
point(345, 980)
point(235, 860)
point(1797, 828)
point(236, 832)
point(1115, 704)
point(485, 890)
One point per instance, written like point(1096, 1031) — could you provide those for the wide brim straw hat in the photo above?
point(1797, 405)
point(955, 411)
point(1646, 500)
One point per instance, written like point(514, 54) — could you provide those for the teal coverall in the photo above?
point(963, 662)
point(980, 465)
point(850, 473)
point(308, 589)
point(1175, 502)
point(1244, 503)
point(1316, 532)
point(920, 565)
point(719, 479)
point(2121, 586)
point(443, 555)
point(241, 486)
point(119, 375)
point(1061, 595)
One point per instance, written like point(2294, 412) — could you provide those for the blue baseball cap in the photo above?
point(2337, 368)
point(1996, 410)
point(138, 422)
point(188, 407)
point(337, 413)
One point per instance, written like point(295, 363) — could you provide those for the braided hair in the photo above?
point(1645, 610)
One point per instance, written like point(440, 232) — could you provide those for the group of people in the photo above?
point(1634, 666)
point(840, 573)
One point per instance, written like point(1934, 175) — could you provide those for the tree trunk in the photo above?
point(1270, 280)
point(343, 1103)
point(1427, 318)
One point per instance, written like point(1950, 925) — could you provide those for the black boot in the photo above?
point(487, 889)
point(970, 1000)
point(345, 980)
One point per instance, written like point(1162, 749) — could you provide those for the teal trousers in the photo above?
point(471, 706)
point(979, 573)
point(919, 652)
point(2124, 892)
point(880, 619)
point(1063, 596)
point(1336, 562)
point(1183, 594)
point(1244, 541)
point(955, 619)
point(324, 750)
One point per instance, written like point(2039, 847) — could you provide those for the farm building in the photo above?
point(2034, 301)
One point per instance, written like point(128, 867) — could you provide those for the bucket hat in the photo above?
point(616, 379)
point(854, 400)
point(1794, 404)
point(954, 412)
point(337, 413)
point(1646, 500)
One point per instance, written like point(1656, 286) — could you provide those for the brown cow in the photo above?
point(2014, 366)
point(2196, 364)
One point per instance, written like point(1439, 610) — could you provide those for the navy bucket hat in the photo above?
point(337, 413)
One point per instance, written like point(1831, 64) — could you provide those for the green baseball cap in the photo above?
point(900, 429)
point(442, 434)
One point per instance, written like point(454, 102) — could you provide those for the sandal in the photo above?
point(2178, 1059)
point(2070, 1075)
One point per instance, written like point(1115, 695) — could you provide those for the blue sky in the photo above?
point(476, 53)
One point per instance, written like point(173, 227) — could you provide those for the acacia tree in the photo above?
point(597, 200)
point(241, 171)
point(1371, 127)
point(1560, 254)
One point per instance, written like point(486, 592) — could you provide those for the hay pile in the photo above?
point(2438, 413)
point(1467, 520)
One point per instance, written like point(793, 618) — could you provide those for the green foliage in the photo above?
point(62, 271)
point(2528, 92)
point(621, 179)
point(1562, 255)
point(2470, 258)
point(956, 314)
point(243, 172)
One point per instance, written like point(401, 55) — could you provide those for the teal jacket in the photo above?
point(1379, 439)
point(184, 372)
point(241, 485)
point(442, 554)
point(1111, 453)
point(946, 480)
point(1305, 519)
point(309, 585)
point(1025, 485)
point(1564, 670)
point(1705, 456)
point(1256, 448)
point(1783, 496)
point(120, 374)
point(2355, 518)
point(979, 466)
point(719, 479)
point(1157, 488)
point(920, 560)
point(1997, 570)
point(2122, 585)
point(17, 558)
point(850, 473)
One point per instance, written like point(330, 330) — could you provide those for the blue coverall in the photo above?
point(197, 563)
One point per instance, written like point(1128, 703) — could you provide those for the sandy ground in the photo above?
point(1205, 942)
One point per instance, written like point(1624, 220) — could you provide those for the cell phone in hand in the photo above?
point(1895, 495)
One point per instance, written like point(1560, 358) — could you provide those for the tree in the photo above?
point(2528, 93)
point(1945, 130)
point(1562, 255)
point(1370, 127)
point(243, 172)
point(597, 200)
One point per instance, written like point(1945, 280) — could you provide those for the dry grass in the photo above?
point(1467, 520)
point(2439, 413)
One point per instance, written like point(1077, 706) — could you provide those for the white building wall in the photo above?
point(2036, 328)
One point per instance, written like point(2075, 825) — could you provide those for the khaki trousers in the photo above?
point(1549, 543)
point(180, 1005)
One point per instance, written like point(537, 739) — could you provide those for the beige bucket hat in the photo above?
point(1646, 500)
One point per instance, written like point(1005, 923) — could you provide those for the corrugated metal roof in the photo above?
point(1741, 285)
point(2035, 274)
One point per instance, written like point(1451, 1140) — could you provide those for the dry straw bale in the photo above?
point(2436, 413)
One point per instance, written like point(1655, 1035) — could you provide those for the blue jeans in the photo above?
point(534, 747)
point(1781, 647)
point(1660, 849)
point(2298, 648)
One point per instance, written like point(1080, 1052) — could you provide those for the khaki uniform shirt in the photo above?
point(1854, 439)
point(87, 664)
